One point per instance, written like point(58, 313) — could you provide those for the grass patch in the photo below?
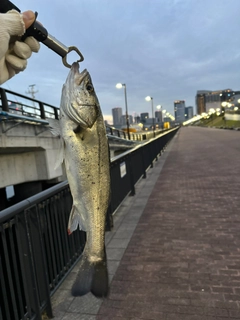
point(219, 122)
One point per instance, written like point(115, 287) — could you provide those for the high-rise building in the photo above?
point(206, 100)
point(158, 116)
point(188, 113)
point(137, 119)
point(123, 119)
point(179, 110)
point(117, 115)
point(144, 116)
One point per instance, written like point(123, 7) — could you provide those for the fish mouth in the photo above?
point(74, 74)
point(75, 67)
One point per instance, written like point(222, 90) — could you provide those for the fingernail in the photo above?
point(28, 15)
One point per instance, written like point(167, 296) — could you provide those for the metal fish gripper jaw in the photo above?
point(37, 31)
point(41, 34)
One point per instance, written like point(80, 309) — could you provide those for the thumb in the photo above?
point(28, 18)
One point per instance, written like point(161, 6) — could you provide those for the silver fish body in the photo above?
point(86, 158)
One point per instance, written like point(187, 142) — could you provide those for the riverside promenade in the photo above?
point(174, 253)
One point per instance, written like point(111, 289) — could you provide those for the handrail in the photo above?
point(43, 114)
point(24, 118)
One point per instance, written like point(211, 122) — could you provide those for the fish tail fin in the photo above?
point(82, 284)
point(92, 277)
point(99, 286)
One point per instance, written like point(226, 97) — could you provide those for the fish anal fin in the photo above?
point(75, 220)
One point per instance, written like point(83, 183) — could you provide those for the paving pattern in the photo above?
point(175, 251)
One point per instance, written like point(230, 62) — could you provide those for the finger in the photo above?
point(28, 18)
point(22, 50)
point(16, 63)
point(33, 44)
point(4, 74)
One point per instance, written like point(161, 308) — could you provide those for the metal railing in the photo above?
point(36, 254)
point(10, 102)
point(29, 108)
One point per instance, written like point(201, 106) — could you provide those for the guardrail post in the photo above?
point(56, 113)
point(42, 112)
point(27, 267)
point(131, 178)
point(4, 100)
point(109, 219)
point(143, 164)
point(35, 233)
point(150, 155)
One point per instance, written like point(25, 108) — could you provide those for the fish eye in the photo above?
point(89, 87)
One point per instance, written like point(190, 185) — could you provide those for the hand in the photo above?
point(14, 52)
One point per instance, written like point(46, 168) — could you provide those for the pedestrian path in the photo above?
point(175, 250)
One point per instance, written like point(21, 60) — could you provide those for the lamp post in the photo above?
point(148, 98)
point(119, 86)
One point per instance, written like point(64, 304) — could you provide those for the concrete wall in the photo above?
point(28, 152)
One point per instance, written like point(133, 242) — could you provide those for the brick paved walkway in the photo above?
point(183, 260)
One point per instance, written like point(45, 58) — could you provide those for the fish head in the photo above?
point(79, 100)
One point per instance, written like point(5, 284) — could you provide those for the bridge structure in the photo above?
point(29, 151)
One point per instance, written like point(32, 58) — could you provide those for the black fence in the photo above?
point(36, 253)
point(24, 106)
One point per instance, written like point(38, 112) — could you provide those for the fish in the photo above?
point(87, 162)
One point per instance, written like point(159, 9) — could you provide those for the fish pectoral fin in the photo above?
point(78, 129)
point(54, 127)
point(75, 220)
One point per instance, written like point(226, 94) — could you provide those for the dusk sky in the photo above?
point(167, 49)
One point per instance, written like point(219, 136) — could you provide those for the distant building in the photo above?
point(144, 116)
point(206, 100)
point(179, 110)
point(117, 115)
point(137, 119)
point(158, 116)
point(150, 122)
point(167, 119)
point(188, 113)
point(123, 119)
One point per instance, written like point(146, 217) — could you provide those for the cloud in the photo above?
point(166, 49)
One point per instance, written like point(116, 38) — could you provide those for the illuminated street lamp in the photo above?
point(224, 104)
point(148, 98)
point(119, 86)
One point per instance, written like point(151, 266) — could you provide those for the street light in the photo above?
point(148, 98)
point(119, 86)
